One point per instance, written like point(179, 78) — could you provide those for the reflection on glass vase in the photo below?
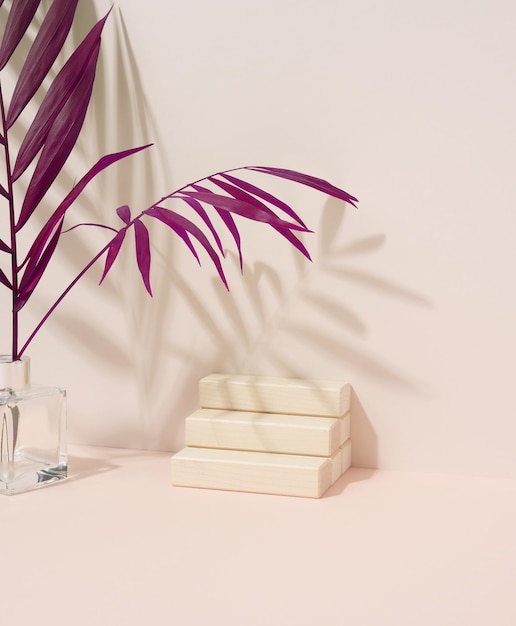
point(32, 430)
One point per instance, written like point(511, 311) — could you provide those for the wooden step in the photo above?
point(263, 394)
point(346, 455)
point(266, 432)
point(259, 472)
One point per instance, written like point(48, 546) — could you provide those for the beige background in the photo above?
point(409, 106)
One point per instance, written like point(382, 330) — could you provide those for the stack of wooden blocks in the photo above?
point(266, 435)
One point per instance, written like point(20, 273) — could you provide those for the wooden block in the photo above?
point(266, 432)
point(336, 465)
point(324, 398)
point(345, 427)
point(341, 460)
point(346, 455)
point(259, 472)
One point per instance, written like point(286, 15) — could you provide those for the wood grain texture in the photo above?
point(266, 432)
point(324, 398)
point(259, 472)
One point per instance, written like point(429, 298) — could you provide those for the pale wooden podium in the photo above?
point(259, 434)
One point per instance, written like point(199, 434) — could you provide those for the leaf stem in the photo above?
point(104, 249)
point(12, 224)
point(58, 301)
point(85, 269)
point(76, 279)
point(107, 246)
point(196, 182)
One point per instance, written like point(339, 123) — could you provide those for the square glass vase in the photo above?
point(32, 430)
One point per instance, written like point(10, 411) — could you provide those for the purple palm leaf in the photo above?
point(4, 280)
point(201, 211)
point(305, 179)
point(51, 137)
point(60, 142)
point(35, 270)
point(47, 45)
point(229, 222)
point(124, 213)
point(20, 16)
point(65, 84)
point(47, 230)
point(264, 195)
point(240, 194)
point(143, 254)
point(113, 250)
point(174, 220)
point(245, 209)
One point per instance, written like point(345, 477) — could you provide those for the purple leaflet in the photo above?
point(124, 213)
point(143, 254)
point(101, 164)
point(232, 227)
point(20, 16)
point(35, 270)
point(60, 142)
point(4, 192)
point(47, 45)
point(291, 238)
point(237, 193)
point(201, 211)
point(4, 247)
point(39, 244)
point(240, 194)
point(173, 219)
point(305, 179)
point(264, 195)
point(4, 280)
point(90, 224)
point(228, 220)
point(59, 92)
point(181, 232)
point(113, 250)
point(245, 209)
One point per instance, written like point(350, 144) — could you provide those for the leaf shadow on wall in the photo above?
point(75, 251)
point(118, 118)
point(140, 357)
point(121, 119)
point(234, 350)
point(267, 347)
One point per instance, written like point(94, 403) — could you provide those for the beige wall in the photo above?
point(408, 105)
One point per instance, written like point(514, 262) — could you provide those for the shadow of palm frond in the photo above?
point(120, 118)
point(245, 348)
point(239, 347)
point(336, 261)
point(335, 311)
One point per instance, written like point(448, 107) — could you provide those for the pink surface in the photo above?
point(117, 544)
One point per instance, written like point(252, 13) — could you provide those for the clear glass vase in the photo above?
point(32, 430)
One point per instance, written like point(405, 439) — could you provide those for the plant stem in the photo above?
point(12, 224)
point(99, 254)
point(200, 180)
point(57, 302)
